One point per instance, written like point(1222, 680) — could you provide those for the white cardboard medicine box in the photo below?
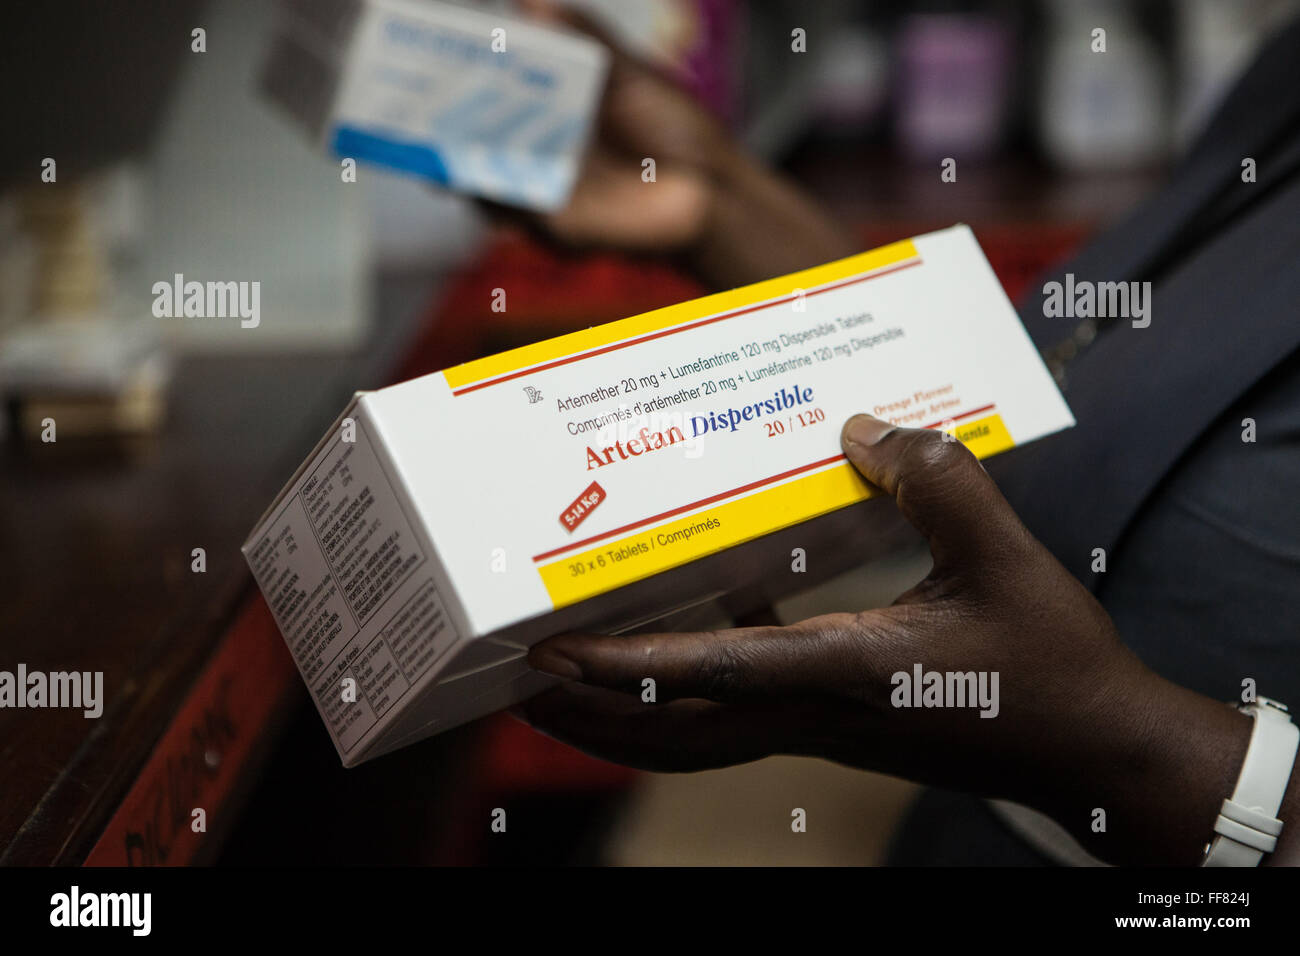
point(600, 479)
point(473, 100)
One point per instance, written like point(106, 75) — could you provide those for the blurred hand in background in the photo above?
point(728, 218)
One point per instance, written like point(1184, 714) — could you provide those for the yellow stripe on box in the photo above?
point(610, 333)
point(586, 574)
point(984, 436)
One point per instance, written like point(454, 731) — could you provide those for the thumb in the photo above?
point(939, 486)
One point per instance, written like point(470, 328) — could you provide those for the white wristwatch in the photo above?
point(1247, 826)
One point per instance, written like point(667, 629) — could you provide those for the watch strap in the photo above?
point(1247, 826)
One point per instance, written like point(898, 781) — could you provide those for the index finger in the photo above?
point(726, 666)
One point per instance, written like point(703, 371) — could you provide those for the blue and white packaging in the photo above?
point(475, 101)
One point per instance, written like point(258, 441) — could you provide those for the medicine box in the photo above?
point(601, 479)
point(473, 100)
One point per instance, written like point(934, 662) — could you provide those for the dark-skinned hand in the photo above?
point(1081, 722)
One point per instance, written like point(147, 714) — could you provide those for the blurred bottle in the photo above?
point(851, 81)
point(1215, 42)
point(72, 276)
point(1102, 94)
point(953, 84)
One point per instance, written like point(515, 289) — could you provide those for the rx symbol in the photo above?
point(534, 396)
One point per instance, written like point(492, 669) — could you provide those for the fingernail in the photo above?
point(864, 430)
point(550, 662)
